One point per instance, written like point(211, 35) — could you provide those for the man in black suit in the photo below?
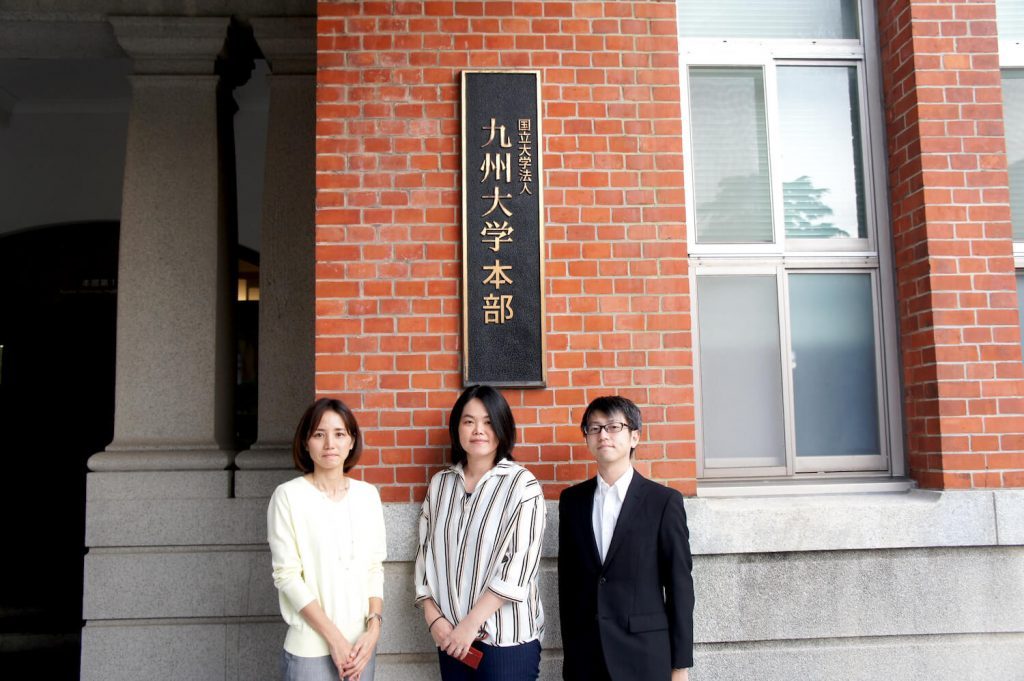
point(625, 594)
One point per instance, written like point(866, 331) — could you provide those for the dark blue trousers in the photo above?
point(508, 663)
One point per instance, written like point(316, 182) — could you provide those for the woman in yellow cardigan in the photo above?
point(326, 534)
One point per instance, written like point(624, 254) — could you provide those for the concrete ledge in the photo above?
point(840, 522)
point(834, 594)
point(1010, 516)
point(175, 522)
point(814, 485)
point(904, 658)
point(182, 651)
point(158, 458)
point(149, 485)
point(188, 583)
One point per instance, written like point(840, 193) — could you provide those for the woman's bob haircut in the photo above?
point(501, 421)
point(310, 421)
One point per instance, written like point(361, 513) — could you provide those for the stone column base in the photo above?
point(169, 458)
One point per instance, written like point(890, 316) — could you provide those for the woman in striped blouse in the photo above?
point(481, 530)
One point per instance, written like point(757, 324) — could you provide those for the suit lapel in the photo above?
point(585, 521)
point(629, 515)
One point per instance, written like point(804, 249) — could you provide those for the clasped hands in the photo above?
point(456, 641)
point(351, 659)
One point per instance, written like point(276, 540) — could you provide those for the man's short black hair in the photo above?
point(611, 404)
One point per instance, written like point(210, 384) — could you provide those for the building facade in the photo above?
point(785, 229)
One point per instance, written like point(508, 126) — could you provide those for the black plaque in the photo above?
point(502, 230)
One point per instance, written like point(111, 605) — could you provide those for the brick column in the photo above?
point(962, 370)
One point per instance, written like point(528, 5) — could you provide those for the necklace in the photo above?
point(335, 494)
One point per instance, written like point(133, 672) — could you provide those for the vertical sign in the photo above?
point(502, 230)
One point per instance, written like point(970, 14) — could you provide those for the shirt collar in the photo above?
point(620, 486)
point(503, 467)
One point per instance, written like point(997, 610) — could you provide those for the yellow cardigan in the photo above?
point(328, 551)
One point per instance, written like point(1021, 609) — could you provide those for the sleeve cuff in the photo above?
point(682, 662)
point(422, 593)
point(509, 591)
point(298, 594)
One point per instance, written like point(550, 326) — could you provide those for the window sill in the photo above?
point(774, 488)
point(843, 521)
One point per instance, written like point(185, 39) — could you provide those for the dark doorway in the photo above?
point(58, 316)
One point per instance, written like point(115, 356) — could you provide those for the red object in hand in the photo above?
point(472, 658)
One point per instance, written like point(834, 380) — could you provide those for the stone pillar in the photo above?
point(175, 355)
point(287, 258)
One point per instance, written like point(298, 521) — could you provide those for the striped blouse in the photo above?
point(488, 540)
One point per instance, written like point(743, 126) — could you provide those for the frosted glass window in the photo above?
point(732, 188)
point(740, 371)
point(822, 162)
point(1013, 120)
point(836, 392)
point(823, 19)
point(1010, 19)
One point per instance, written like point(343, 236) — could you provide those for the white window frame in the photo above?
point(872, 254)
point(757, 469)
point(1011, 58)
point(833, 464)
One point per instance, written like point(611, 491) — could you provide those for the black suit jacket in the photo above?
point(639, 604)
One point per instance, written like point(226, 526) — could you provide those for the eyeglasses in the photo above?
point(613, 428)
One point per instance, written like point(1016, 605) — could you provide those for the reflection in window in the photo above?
point(730, 152)
point(822, 163)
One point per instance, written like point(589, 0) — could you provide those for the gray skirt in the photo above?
point(295, 668)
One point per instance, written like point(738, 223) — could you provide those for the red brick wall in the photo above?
point(962, 370)
point(388, 226)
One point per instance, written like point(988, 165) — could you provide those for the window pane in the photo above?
point(1013, 118)
point(1010, 19)
point(768, 18)
point(740, 371)
point(1020, 303)
point(822, 168)
point(730, 155)
point(834, 355)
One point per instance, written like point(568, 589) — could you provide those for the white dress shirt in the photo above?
point(607, 505)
